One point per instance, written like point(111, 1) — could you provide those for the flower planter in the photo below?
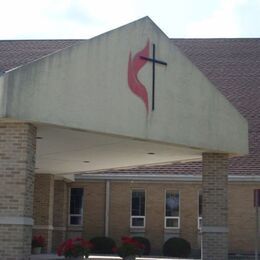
point(76, 246)
point(36, 250)
point(129, 248)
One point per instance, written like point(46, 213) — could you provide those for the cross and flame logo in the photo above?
point(135, 64)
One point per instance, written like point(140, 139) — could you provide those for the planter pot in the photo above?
point(129, 257)
point(36, 250)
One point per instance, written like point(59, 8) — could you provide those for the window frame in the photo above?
point(199, 218)
point(76, 215)
point(133, 216)
point(172, 217)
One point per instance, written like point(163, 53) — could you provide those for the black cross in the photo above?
point(154, 61)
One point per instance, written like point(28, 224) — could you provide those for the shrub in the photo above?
point(146, 243)
point(176, 247)
point(102, 245)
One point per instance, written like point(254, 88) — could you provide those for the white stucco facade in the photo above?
point(85, 87)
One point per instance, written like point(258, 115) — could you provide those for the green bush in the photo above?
point(102, 245)
point(176, 247)
point(146, 243)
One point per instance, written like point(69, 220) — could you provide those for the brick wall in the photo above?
point(215, 206)
point(241, 212)
point(60, 213)
point(43, 208)
point(119, 209)
point(242, 220)
point(16, 240)
point(93, 210)
point(155, 199)
point(43, 199)
point(17, 159)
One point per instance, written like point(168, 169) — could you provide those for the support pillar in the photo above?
point(60, 213)
point(43, 208)
point(214, 206)
point(17, 160)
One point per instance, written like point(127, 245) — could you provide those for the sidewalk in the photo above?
point(96, 257)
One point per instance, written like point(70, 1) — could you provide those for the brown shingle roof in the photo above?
point(233, 65)
point(17, 53)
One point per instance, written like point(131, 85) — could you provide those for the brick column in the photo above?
point(43, 208)
point(214, 207)
point(17, 159)
point(60, 213)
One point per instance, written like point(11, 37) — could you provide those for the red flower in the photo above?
point(130, 246)
point(74, 247)
point(78, 239)
point(114, 249)
point(60, 249)
point(126, 240)
point(38, 241)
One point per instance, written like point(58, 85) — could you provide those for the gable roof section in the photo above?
point(233, 65)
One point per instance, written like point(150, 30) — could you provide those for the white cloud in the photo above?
point(224, 22)
point(87, 18)
point(20, 18)
point(62, 18)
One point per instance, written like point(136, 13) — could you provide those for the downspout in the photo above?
point(107, 208)
point(3, 95)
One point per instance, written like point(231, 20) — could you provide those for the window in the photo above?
point(172, 210)
point(200, 210)
point(138, 209)
point(76, 209)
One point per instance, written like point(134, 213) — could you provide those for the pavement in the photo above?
point(97, 257)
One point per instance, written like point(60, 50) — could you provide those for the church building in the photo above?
point(130, 133)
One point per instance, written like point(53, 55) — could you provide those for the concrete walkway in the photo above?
point(95, 257)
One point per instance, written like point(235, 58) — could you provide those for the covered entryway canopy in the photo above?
point(125, 98)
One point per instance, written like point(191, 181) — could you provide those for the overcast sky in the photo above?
point(82, 19)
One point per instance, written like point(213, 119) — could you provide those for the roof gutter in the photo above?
point(159, 177)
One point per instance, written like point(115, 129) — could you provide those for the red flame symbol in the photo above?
point(134, 67)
